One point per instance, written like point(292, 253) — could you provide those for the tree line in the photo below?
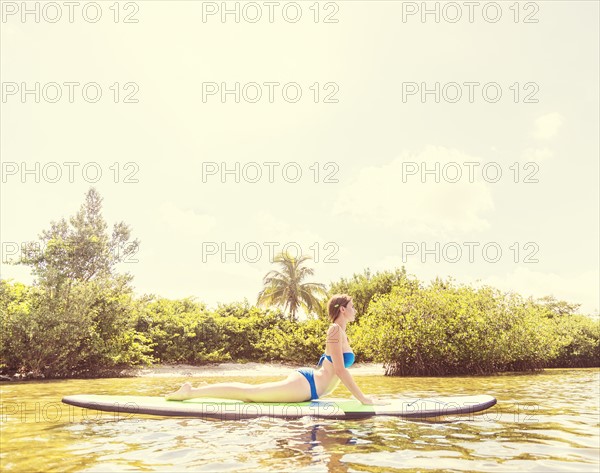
point(80, 318)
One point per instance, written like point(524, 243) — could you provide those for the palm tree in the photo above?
point(286, 289)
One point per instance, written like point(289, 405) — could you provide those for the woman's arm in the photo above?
point(346, 378)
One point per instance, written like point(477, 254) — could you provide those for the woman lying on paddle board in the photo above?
point(302, 384)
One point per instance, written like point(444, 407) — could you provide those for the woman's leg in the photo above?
point(219, 390)
point(294, 388)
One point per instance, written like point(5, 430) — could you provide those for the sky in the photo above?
point(454, 140)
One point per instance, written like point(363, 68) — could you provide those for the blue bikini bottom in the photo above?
point(309, 374)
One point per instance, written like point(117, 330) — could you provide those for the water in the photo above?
point(542, 422)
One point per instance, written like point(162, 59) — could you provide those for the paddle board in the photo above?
point(228, 409)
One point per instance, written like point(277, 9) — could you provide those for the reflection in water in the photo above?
point(544, 422)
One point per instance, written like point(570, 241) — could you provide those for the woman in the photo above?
point(302, 384)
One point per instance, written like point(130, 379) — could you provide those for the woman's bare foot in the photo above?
point(181, 394)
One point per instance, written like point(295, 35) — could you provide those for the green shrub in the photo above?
point(85, 333)
point(445, 329)
point(578, 341)
point(179, 331)
point(365, 287)
point(295, 342)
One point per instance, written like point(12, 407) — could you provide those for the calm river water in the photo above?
point(542, 422)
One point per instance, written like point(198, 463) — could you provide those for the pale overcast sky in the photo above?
point(517, 93)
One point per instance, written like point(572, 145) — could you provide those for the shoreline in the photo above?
point(233, 369)
point(169, 370)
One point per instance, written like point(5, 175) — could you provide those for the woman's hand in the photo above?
point(373, 401)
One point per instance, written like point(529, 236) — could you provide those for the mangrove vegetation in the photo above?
point(81, 318)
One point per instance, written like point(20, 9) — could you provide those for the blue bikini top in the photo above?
point(348, 359)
